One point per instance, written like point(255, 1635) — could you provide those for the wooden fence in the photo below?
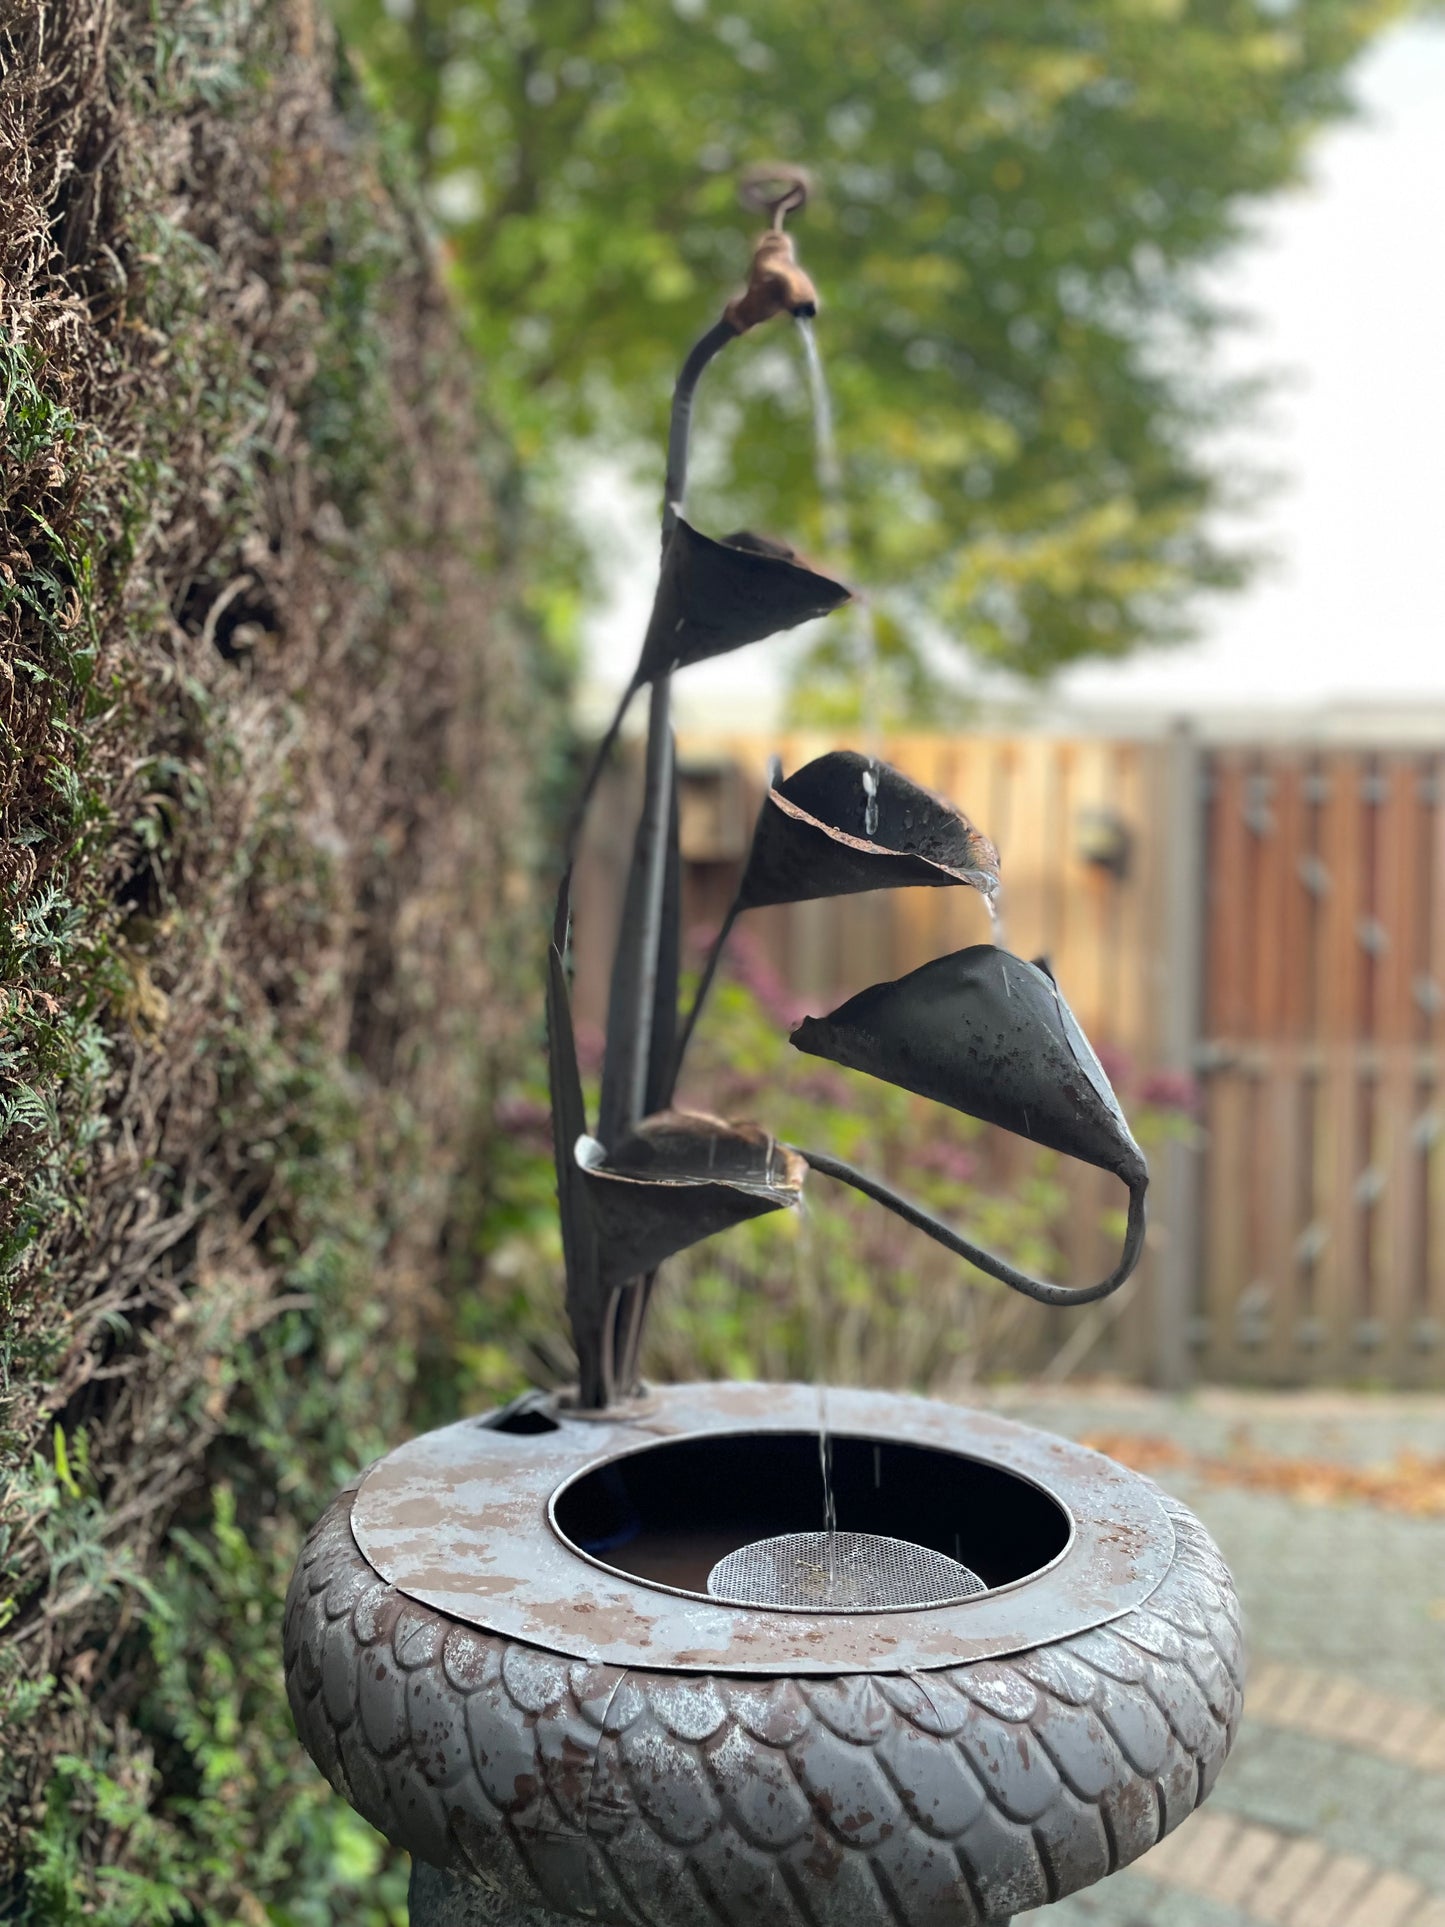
point(1268, 922)
point(1323, 1214)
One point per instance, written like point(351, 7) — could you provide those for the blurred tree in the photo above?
point(1013, 199)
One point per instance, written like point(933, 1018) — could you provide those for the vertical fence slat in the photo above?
point(1397, 1256)
point(1401, 830)
point(1428, 1317)
point(1281, 1157)
point(1339, 1165)
point(1024, 849)
point(1340, 958)
point(1225, 1189)
point(1228, 904)
point(1091, 895)
point(1296, 900)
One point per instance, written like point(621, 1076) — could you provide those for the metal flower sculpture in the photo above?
point(981, 1031)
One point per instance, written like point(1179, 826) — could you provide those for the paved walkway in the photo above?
point(1331, 1812)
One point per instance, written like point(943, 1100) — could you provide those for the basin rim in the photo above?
point(458, 1520)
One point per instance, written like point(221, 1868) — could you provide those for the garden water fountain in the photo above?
point(655, 1654)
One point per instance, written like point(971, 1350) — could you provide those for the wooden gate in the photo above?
point(1323, 1194)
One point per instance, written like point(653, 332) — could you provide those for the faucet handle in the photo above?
point(776, 284)
point(775, 188)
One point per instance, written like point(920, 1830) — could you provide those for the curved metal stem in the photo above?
point(1038, 1289)
point(680, 428)
point(704, 985)
point(679, 436)
point(629, 1074)
point(562, 914)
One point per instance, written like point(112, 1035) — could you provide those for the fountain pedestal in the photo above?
point(437, 1899)
point(499, 1649)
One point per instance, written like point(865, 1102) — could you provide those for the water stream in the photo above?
point(808, 1279)
point(829, 470)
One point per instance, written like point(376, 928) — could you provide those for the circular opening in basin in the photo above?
point(668, 1513)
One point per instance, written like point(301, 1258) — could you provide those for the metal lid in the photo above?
point(463, 1519)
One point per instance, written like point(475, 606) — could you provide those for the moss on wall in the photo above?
point(260, 869)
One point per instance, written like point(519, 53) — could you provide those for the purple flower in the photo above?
point(952, 1161)
point(522, 1116)
point(1172, 1091)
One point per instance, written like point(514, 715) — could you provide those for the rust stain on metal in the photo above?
point(459, 1520)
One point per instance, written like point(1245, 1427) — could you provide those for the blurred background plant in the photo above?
point(838, 1291)
point(1013, 205)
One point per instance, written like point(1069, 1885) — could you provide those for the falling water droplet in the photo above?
point(992, 893)
point(870, 799)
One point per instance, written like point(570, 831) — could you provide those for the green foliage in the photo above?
point(1013, 199)
point(227, 1754)
point(53, 966)
point(195, 1805)
point(251, 696)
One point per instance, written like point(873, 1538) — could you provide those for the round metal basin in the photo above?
point(501, 1650)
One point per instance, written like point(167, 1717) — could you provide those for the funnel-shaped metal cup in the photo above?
point(713, 597)
point(986, 1033)
point(678, 1178)
point(845, 823)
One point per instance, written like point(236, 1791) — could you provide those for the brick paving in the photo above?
point(1332, 1811)
point(1338, 1709)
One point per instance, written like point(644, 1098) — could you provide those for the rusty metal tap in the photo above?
point(776, 283)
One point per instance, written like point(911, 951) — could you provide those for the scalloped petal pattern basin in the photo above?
point(500, 1649)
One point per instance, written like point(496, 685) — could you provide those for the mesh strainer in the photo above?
point(839, 1572)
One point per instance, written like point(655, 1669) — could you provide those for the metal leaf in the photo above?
point(678, 1178)
point(713, 597)
point(988, 1034)
point(846, 822)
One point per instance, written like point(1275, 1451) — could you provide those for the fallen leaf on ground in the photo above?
point(1409, 1483)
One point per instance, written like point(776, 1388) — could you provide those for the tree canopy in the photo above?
point(1013, 197)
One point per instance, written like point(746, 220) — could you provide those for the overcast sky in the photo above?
point(1347, 286)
